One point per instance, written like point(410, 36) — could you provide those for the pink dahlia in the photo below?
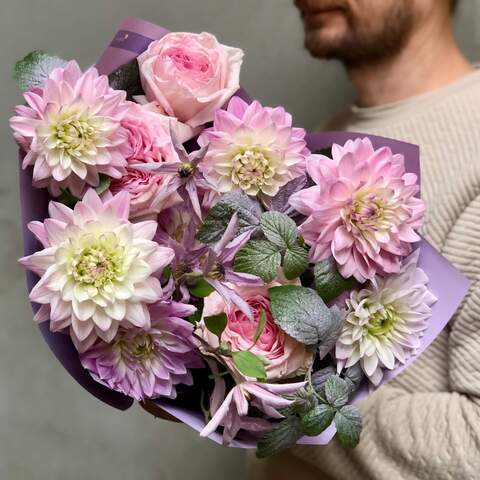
point(253, 148)
point(72, 131)
point(148, 362)
point(150, 142)
point(97, 270)
point(363, 210)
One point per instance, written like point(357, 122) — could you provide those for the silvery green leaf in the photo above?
point(334, 332)
point(302, 314)
point(337, 391)
point(320, 377)
point(127, 77)
point(34, 69)
point(248, 215)
point(280, 203)
point(284, 435)
point(295, 261)
point(279, 229)
point(259, 257)
point(328, 281)
point(349, 426)
point(317, 420)
point(353, 376)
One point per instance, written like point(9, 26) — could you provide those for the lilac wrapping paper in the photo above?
point(132, 38)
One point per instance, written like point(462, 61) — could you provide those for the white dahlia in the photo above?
point(96, 269)
point(384, 323)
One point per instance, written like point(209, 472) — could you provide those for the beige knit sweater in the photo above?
point(426, 423)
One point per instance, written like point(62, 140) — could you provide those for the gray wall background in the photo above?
point(49, 427)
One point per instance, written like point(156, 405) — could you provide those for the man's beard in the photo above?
point(367, 41)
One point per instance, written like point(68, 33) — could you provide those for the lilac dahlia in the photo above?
point(71, 130)
point(148, 362)
point(362, 210)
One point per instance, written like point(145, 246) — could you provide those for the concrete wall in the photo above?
point(49, 427)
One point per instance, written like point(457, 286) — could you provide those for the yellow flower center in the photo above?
point(73, 134)
point(140, 348)
point(96, 265)
point(251, 168)
point(382, 322)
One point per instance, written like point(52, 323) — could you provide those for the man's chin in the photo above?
point(323, 43)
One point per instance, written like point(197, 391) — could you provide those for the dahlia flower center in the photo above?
point(382, 322)
point(140, 348)
point(73, 135)
point(367, 211)
point(96, 265)
point(251, 167)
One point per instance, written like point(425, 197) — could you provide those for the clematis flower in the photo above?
point(97, 270)
point(148, 362)
point(150, 143)
point(185, 177)
point(385, 322)
point(253, 148)
point(232, 414)
point(363, 210)
point(72, 130)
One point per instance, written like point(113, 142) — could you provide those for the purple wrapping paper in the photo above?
point(132, 38)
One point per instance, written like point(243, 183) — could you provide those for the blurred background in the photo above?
point(49, 427)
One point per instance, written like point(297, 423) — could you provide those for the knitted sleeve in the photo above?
point(411, 433)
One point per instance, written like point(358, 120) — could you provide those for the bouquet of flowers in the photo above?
point(190, 249)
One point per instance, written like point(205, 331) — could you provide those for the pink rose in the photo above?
point(286, 356)
point(190, 75)
point(149, 141)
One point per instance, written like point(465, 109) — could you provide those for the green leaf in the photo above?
point(195, 317)
point(127, 77)
point(249, 364)
point(260, 326)
point(284, 435)
point(320, 377)
point(34, 69)
point(303, 401)
point(67, 198)
point(216, 323)
point(349, 426)
point(353, 376)
point(104, 184)
point(336, 391)
point(201, 288)
point(327, 343)
point(248, 214)
point(259, 257)
point(295, 261)
point(328, 281)
point(301, 313)
point(317, 420)
point(279, 229)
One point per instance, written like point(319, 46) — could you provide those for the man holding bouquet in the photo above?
point(412, 84)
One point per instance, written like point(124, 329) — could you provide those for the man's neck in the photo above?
point(430, 60)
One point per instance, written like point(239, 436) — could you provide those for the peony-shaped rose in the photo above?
point(286, 356)
point(253, 148)
point(190, 75)
point(363, 209)
point(149, 142)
